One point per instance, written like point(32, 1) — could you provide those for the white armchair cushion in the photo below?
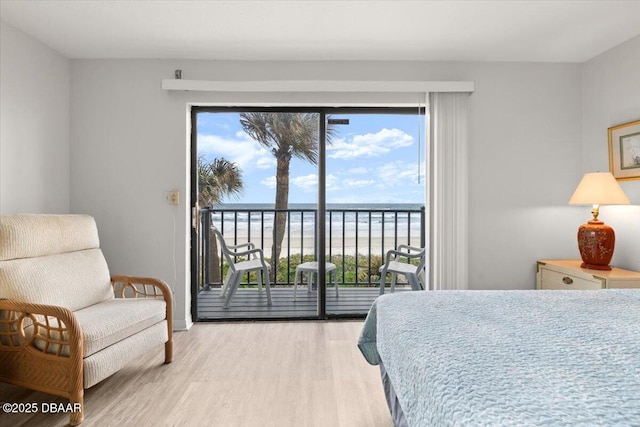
point(100, 365)
point(103, 324)
point(112, 321)
point(73, 280)
point(30, 236)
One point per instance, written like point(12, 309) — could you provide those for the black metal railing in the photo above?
point(356, 241)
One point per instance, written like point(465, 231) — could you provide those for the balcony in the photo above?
point(357, 239)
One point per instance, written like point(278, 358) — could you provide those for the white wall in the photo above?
point(128, 150)
point(129, 147)
point(34, 125)
point(523, 166)
point(611, 96)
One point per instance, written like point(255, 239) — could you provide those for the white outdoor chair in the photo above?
point(395, 266)
point(255, 262)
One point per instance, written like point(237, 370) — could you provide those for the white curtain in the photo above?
point(448, 191)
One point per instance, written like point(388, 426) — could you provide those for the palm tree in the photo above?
point(217, 179)
point(286, 135)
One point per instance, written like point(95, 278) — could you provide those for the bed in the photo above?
point(508, 358)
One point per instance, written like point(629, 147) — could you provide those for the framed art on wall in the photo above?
point(624, 150)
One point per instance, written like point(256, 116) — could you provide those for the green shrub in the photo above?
point(367, 275)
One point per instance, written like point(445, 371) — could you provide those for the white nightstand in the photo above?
point(567, 274)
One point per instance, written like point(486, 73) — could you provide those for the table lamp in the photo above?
point(596, 240)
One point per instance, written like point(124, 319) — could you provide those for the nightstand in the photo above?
point(567, 274)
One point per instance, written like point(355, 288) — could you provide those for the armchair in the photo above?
point(65, 323)
point(255, 262)
point(394, 265)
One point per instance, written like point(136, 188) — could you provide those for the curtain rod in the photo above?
point(315, 86)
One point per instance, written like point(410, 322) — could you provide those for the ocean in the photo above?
point(336, 206)
point(372, 222)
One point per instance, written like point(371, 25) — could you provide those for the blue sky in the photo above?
point(373, 159)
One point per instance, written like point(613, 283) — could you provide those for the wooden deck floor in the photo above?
point(252, 304)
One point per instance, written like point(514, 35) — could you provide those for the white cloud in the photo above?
point(398, 173)
point(357, 183)
point(306, 183)
point(331, 182)
point(358, 171)
point(370, 144)
point(243, 151)
point(269, 181)
point(266, 162)
point(309, 183)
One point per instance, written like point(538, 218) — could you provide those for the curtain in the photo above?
point(448, 191)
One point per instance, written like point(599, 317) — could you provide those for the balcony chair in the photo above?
point(394, 265)
point(255, 262)
point(66, 323)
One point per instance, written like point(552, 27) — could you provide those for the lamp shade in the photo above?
point(599, 188)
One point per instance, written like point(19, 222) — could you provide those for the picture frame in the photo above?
point(624, 151)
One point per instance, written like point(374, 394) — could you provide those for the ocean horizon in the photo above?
point(349, 225)
point(330, 206)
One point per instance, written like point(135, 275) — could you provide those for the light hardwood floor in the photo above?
point(235, 374)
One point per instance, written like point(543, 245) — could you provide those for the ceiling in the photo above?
point(546, 31)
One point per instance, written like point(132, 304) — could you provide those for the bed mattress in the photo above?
point(525, 358)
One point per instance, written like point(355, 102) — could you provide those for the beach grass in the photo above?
point(366, 274)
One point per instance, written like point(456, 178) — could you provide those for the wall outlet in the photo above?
point(174, 197)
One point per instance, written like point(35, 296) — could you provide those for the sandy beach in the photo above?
point(377, 232)
point(306, 245)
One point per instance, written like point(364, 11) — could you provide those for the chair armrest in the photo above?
point(140, 287)
point(402, 254)
point(253, 252)
point(42, 347)
point(399, 254)
point(249, 245)
point(411, 248)
point(249, 252)
point(55, 328)
point(144, 287)
point(234, 252)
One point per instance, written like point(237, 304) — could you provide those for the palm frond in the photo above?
point(218, 179)
point(285, 134)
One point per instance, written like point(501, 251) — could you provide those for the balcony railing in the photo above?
point(356, 240)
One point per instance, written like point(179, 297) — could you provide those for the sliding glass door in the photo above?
point(316, 197)
point(375, 195)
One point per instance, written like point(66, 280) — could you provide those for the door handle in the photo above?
point(195, 221)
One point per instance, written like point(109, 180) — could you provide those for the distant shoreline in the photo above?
point(363, 206)
point(336, 248)
point(242, 222)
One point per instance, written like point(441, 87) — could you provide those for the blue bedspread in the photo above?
point(510, 358)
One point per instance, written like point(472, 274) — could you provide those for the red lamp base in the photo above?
point(596, 241)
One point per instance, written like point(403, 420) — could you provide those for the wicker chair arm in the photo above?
point(144, 287)
point(140, 287)
point(55, 329)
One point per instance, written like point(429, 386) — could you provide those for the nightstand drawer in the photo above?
point(568, 274)
point(555, 280)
